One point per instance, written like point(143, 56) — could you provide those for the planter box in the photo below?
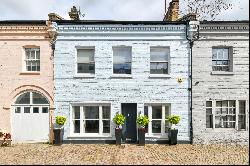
point(141, 136)
point(118, 136)
point(8, 142)
point(172, 136)
point(58, 136)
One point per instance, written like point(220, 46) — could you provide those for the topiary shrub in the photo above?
point(119, 120)
point(173, 119)
point(142, 120)
point(60, 120)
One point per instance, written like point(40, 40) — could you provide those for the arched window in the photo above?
point(31, 98)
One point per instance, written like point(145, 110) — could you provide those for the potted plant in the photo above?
point(119, 120)
point(6, 139)
point(59, 130)
point(172, 134)
point(142, 121)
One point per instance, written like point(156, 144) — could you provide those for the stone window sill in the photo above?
point(84, 76)
point(30, 73)
point(129, 76)
point(221, 73)
point(159, 76)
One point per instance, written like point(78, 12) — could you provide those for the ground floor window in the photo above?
point(157, 114)
point(91, 119)
point(226, 114)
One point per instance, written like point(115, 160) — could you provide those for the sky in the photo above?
point(126, 10)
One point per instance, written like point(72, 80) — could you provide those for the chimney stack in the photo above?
point(74, 14)
point(173, 11)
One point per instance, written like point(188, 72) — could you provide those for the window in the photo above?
point(85, 60)
point(209, 115)
point(157, 113)
point(242, 115)
point(91, 119)
point(31, 102)
point(221, 59)
point(122, 57)
point(32, 59)
point(159, 60)
point(224, 114)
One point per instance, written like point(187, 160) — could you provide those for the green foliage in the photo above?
point(142, 120)
point(60, 120)
point(119, 119)
point(174, 119)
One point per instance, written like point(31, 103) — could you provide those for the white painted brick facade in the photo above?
point(207, 86)
point(139, 89)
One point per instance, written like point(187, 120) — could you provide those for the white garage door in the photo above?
point(30, 118)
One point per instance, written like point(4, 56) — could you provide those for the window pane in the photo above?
point(159, 54)
point(156, 112)
point(26, 109)
point(156, 126)
point(106, 126)
point(167, 113)
point(45, 110)
point(217, 122)
point(85, 55)
point(86, 68)
point(124, 68)
point(209, 118)
point(122, 55)
point(225, 103)
point(226, 53)
point(32, 55)
point(91, 112)
point(38, 54)
point(35, 109)
point(27, 53)
point(18, 110)
point(92, 126)
point(39, 99)
point(146, 110)
point(242, 105)
point(76, 112)
point(158, 68)
point(218, 103)
point(209, 104)
point(23, 99)
point(106, 112)
point(242, 122)
point(231, 103)
point(76, 126)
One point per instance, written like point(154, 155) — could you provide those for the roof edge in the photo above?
point(23, 22)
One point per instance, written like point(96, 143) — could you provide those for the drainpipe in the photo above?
point(191, 40)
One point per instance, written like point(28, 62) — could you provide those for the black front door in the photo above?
point(129, 110)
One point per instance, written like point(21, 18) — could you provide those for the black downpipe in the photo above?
point(191, 43)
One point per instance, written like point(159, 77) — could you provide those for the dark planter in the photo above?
point(58, 136)
point(172, 136)
point(141, 136)
point(118, 136)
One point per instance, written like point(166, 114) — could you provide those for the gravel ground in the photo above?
point(151, 154)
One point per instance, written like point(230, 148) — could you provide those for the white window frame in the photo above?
point(163, 133)
point(117, 74)
point(24, 63)
point(168, 62)
point(87, 75)
point(81, 134)
point(236, 114)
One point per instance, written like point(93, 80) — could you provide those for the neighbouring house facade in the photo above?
point(26, 80)
point(220, 83)
point(106, 67)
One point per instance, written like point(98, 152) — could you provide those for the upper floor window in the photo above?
point(221, 59)
point(159, 60)
point(85, 60)
point(122, 59)
point(32, 59)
